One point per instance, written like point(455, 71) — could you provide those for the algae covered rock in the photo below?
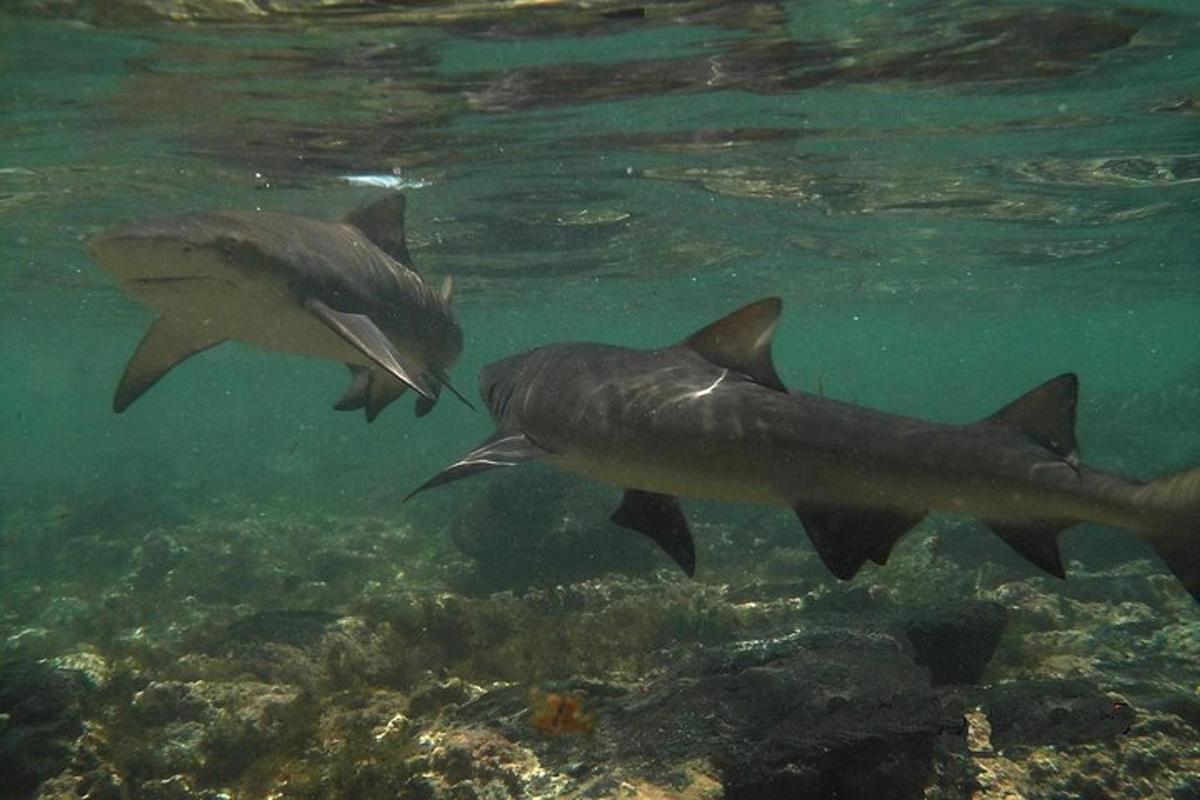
point(829, 711)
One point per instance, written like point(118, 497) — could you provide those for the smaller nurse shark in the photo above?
point(710, 418)
point(343, 291)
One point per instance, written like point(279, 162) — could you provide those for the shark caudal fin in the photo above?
point(1176, 537)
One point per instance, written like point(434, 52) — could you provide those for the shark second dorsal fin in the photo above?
point(383, 223)
point(741, 341)
point(1046, 415)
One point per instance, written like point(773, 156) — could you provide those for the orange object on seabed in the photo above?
point(556, 713)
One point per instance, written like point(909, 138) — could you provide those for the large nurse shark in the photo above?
point(337, 290)
point(710, 418)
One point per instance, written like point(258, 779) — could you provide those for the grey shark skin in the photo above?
point(709, 418)
point(342, 291)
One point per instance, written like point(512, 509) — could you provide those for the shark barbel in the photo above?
point(710, 418)
point(344, 291)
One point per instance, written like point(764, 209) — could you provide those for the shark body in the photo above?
point(709, 418)
point(342, 291)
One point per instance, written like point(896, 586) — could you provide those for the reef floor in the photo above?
point(290, 654)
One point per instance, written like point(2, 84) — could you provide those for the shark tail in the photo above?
point(1175, 535)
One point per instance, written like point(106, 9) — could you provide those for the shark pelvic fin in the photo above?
point(741, 341)
point(1037, 542)
point(659, 517)
point(383, 223)
point(361, 332)
point(1046, 415)
point(442, 378)
point(382, 390)
point(501, 450)
point(166, 343)
point(846, 537)
point(371, 390)
point(355, 396)
point(423, 407)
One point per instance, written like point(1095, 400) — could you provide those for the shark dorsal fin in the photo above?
point(741, 341)
point(1046, 415)
point(383, 223)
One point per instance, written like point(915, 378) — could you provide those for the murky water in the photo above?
point(955, 201)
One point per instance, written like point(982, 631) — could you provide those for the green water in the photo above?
point(941, 242)
point(955, 201)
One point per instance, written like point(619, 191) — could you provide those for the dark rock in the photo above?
point(834, 711)
point(432, 697)
point(956, 644)
point(1186, 787)
point(539, 529)
point(1054, 712)
point(43, 707)
point(164, 702)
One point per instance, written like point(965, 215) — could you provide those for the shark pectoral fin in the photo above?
point(364, 335)
point(501, 450)
point(355, 396)
point(1046, 415)
point(166, 342)
point(846, 537)
point(383, 223)
point(741, 342)
point(659, 517)
point(1035, 541)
